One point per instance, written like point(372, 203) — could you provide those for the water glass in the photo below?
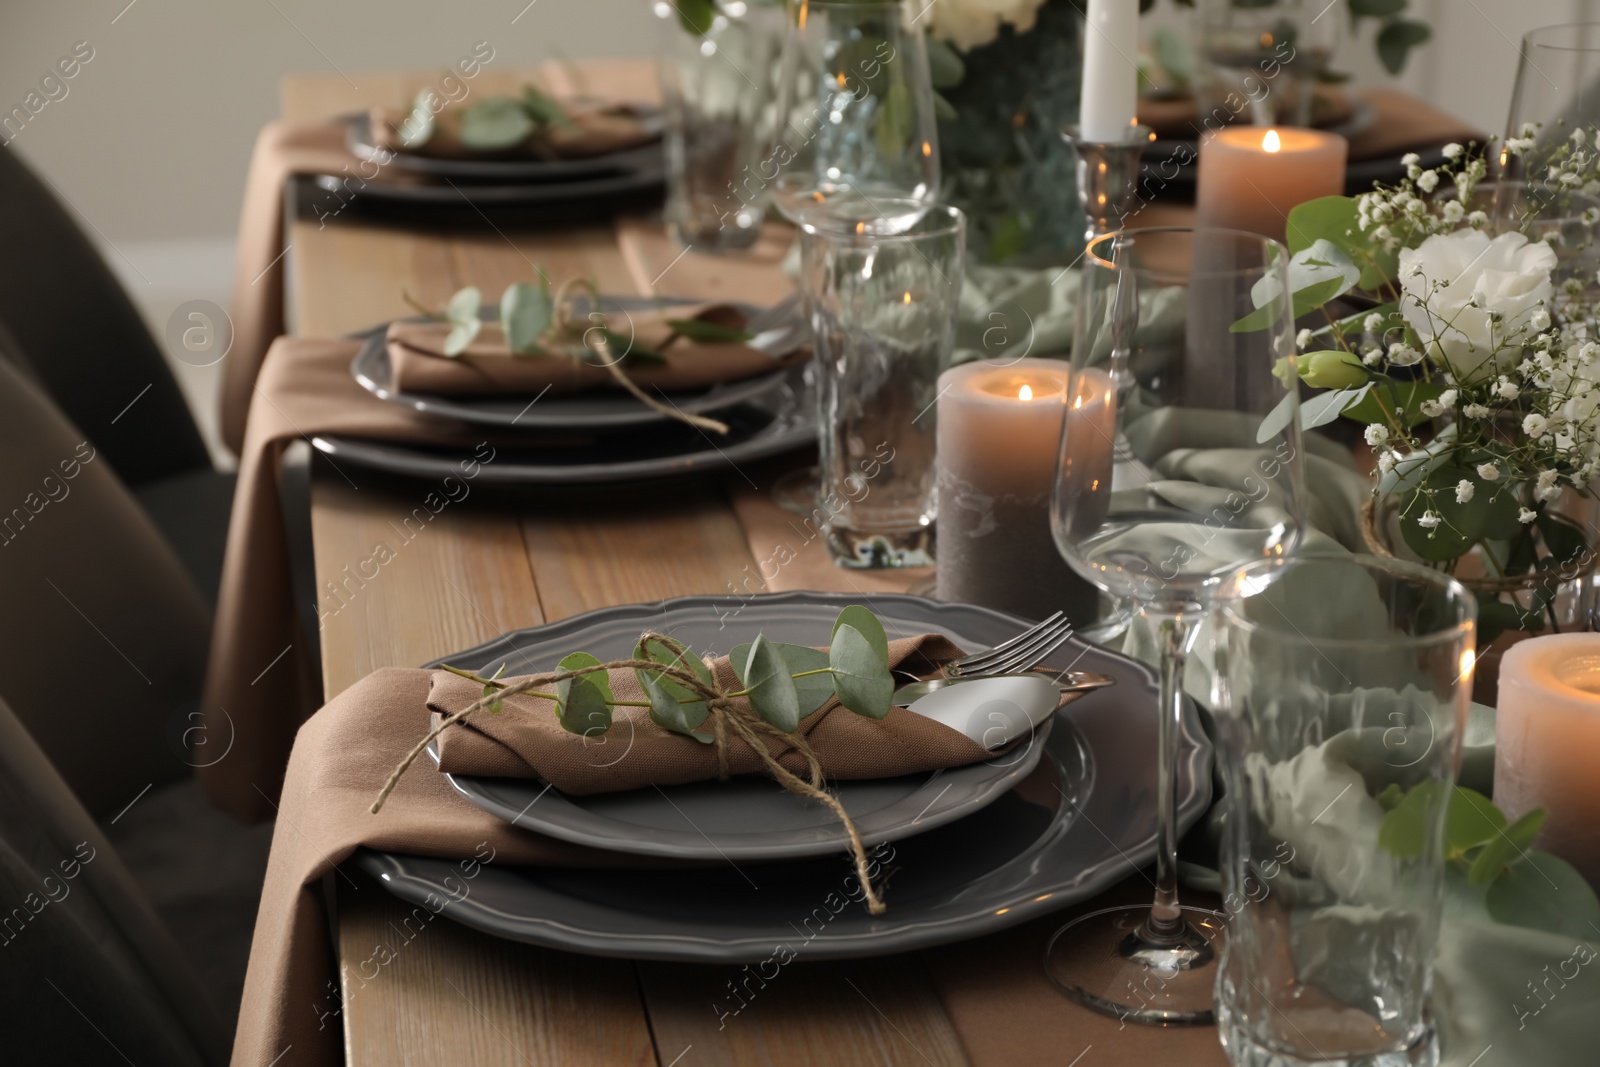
point(717, 88)
point(1268, 52)
point(1340, 688)
point(855, 106)
point(882, 280)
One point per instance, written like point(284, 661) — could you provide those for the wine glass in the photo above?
point(855, 107)
point(1557, 90)
point(1179, 462)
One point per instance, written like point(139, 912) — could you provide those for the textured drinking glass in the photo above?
point(856, 106)
point(1340, 688)
point(718, 90)
point(1557, 90)
point(1179, 461)
point(881, 280)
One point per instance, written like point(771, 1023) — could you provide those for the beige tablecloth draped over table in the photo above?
point(341, 759)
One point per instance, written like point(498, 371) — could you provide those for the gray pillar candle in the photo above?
point(998, 433)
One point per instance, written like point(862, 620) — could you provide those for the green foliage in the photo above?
point(672, 705)
point(1335, 219)
point(869, 627)
point(583, 704)
point(860, 672)
point(808, 666)
point(708, 332)
point(462, 315)
point(1389, 400)
point(495, 124)
point(894, 120)
point(1492, 512)
point(696, 16)
point(769, 685)
point(525, 313)
point(1525, 888)
point(1396, 40)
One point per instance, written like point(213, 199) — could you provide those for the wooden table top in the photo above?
point(482, 568)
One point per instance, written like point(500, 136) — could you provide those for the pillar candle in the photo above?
point(1547, 738)
point(1250, 177)
point(1110, 70)
point(999, 432)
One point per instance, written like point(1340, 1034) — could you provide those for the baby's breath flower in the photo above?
point(1452, 151)
point(1448, 398)
point(1535, 424)
point(1373, 323)
point(1377, 434)
point(1527, 515)
point(1539, 320)
point(1489, 472)
point(1403, 355)
point(1410, 159)
point(1464, 491)
point(1386, 462)
point(1429, 520)
point(1478, 219)
point(1454, 212)
point(1303, 339)
point(1428, 181)
point(1475, 411)
point(1506, 389)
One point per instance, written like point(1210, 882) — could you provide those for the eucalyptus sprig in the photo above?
point(780, 684)
point(1520, 886)
point(539, 323)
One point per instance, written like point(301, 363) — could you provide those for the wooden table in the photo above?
point(455, 996)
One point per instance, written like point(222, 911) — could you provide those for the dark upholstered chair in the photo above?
point(69, 322)
point(88, 973)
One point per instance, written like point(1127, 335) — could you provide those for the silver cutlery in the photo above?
point(777, 330)
point(1070, 682)
point(1024, 651)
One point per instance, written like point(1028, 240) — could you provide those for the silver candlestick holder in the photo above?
point(1108, 177)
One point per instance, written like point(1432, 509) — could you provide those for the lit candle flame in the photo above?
point(927, 149)
point(1271, 142)
point(1025, 393)
point(907, 298)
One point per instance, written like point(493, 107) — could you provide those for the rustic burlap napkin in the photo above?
point(416, 354)
point(593, 128)
point(526, 739)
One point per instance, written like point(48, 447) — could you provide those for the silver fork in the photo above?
point(1027, 649)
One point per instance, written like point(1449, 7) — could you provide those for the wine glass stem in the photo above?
point(1165, 923)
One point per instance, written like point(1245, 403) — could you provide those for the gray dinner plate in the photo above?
point(599, 409)
point(748, 818)
point(358, 138)
point(782, 419)
point(1082, 820)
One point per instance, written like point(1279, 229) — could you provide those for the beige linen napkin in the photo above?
point(526, 740)
point(416, 355)
point(259, 686)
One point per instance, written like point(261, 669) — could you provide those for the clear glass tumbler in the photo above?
point(1556, 92)
point(1341, 687)
point(718, 87)
point(882, 280)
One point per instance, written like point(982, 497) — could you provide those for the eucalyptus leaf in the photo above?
point(1397, 39)
point(525, 312)
point(583, 703)
point(1471, 821)
point(1325, 407)
point(708, 332)
point(1408, 826)
point(495, 124)
point(464, 305)
point(861, 677)
point(417, 127)
point(544, 110)
point(1336, 219)
point(665, 710)
point(1491, 512)
point(1544, 892)
point(814, 690)
point(771, 688)
point(945, 68)
point(1506, 847)
point(1278, 419)
point(1389, 396)
point(868, 625)
point(1567, 543)
point(460, 336)
point(690, 710)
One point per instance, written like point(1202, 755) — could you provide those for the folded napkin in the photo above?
point(342, 757)
point(593, 128)
point(416, 354)
point(259, 675)
point(526, 740)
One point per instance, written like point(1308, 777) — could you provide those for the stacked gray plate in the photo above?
point(973, 849)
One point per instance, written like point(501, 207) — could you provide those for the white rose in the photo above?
point(969, 24)
point(1508, 276)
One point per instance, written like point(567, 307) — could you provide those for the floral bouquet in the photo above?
point(1456, 325)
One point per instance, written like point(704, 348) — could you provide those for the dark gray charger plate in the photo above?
point(592, 410)
point(1083, 820)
